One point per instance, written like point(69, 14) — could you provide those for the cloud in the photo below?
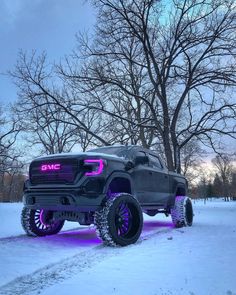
point(11, 11)
point(12, 8)
point(42, 25)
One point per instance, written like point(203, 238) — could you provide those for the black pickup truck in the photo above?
point(110, 187)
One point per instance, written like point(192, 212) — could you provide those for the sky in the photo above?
point(42, 25)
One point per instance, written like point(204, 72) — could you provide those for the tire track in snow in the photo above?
point(13, 239)
point(67, 268)
point(56, 272)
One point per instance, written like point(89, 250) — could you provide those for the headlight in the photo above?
point(96, 166)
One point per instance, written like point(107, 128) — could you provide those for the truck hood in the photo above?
point(80, 155)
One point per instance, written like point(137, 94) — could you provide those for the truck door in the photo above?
point(159, 179)
point(142, 181)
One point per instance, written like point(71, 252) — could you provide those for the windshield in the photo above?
point(120, 151)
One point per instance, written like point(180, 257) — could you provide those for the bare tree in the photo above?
point(224, 166)
point(202, 189)
point(217, 186)
point(233, 185)
point(186, 54)
point(9, 129)
point(128, 130)
point(191, 160)
point(43, 127)
point(53, 108)
point(163, 72)
point(10, 163)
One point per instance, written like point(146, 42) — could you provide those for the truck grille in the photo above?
point(54, 171)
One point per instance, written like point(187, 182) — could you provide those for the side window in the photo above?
point(140, 153)
point(154, 161)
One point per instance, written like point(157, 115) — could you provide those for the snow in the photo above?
point(10, 214)
point(198, 260)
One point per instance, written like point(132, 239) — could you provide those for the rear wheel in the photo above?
point(120, 221)
point(182, 213)
point(40, 222)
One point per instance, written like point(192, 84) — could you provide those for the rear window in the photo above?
point(154, 161)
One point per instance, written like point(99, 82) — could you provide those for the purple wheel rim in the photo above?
point(123, 219)
point(42, 220)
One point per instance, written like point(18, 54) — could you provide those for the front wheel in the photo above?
point(40, 222)
point(120, 221)
point(182, 213)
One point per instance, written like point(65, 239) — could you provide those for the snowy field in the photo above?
point(199, 260)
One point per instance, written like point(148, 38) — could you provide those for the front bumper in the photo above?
point(63, 201)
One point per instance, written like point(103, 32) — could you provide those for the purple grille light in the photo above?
point(100, 166)
point(50, 167)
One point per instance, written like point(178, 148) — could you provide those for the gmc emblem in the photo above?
point(50, 167)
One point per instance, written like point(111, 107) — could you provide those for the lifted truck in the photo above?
point(110, 187)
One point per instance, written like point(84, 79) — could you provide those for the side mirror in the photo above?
point(141, 160)
point(129, 165)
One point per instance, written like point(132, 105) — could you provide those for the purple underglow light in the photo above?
point(100, 166)
point(50, 167)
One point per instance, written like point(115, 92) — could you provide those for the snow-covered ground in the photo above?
point(199, 260)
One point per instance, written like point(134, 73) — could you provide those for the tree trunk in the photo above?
point(177, 159)
point(168, 152)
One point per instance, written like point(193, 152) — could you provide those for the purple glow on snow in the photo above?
point(50, 167)
point(100, 166)
point(82, 237)
point(150, 225)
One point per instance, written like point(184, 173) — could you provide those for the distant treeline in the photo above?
point(11, 187)
point(215, 189)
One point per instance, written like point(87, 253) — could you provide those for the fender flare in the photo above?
point(119, 174)
point(182, 187)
